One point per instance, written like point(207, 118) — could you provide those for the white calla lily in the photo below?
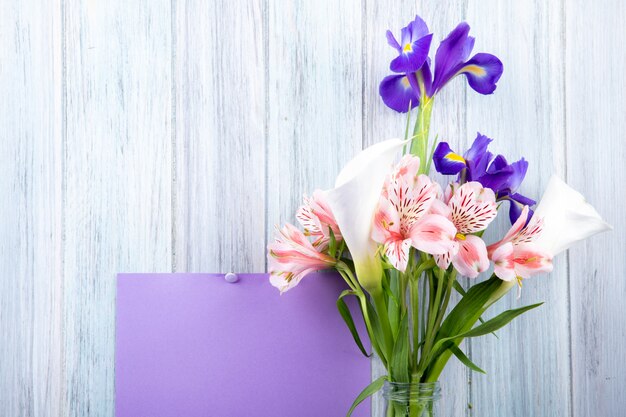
point(567, 218)
point(353, 202)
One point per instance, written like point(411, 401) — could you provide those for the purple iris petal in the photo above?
point(451, 54)
point(491, 171)
point(427, 77)
point(413, 47)
point(478, 148)
point(518, 202)
point(391, 40)
point(412, 56)
point(398, 93)
point(483, 72)
point(446, 161)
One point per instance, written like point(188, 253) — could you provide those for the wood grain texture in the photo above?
point(173, 135)
point(314, 99)
point(528, 366)
point(596, 150)
point(220, 136)
point(118, 165)
point(31, 354)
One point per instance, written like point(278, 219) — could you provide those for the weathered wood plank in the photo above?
point(528, 366)
point(220, 136)
point(596, 150)
point(117, 177)
point(314, 98)
point(31, 356)
point(381, 123)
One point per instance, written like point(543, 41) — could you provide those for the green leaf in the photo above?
point(465, 360)
point(499, 321)
point(347, 318)
point(489, 326)
point(457, 286)
point(469, 308)
point(393, 305)
point(372, 388)
point(332, 245)
point(377, 331)
point(400, 356)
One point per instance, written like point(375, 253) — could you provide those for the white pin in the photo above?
point(231, 277)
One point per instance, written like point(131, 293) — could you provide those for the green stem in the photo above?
point(348, 276)
point(432, 317)
point(414, 298)
point(501, 288)
point(419, 144)
point(381, 309)
point(444, 306)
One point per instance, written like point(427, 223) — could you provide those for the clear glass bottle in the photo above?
point(411, 399)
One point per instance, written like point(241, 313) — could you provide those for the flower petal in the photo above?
point(353, 202)
point(518, 202)
point(478, 148)
point(446, 161)
point(386, 222)
point(483, 72)
point(412, 56)
point(443, 261)
point(568, 218)
point(391, 40)
point(471, 259)
point(411, 198)
point(530, 260)
point(452, 52)
point(397, 252)
point(504, 267)
point(433, 234)
point(397, 93)
point(472, 207)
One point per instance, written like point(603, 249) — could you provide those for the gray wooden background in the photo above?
point(171, 135)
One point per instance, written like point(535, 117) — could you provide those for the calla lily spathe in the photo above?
point(353, 202)
point(567, 218)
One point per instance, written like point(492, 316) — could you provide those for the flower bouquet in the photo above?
point(401, 241)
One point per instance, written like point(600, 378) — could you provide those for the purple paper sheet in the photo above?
point(195, 345)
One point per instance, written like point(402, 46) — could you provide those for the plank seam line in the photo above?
point(64, 402)
point(174, 165)
point(266, 117)
point(565, 174)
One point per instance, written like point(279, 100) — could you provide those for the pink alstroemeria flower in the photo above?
point(471, 207)
point(516, 256)
point(291, 257)
point(317, 219)
point(402, 219)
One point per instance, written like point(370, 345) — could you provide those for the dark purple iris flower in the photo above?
point(413, 47)
point(478, 164)
point(452, 58)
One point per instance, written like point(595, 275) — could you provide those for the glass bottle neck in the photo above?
point(403, 392)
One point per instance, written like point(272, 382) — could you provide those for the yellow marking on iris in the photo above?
point(460, 236)
point(455, 157)
point(407, 48)
point(476, 70)
point(405, 82)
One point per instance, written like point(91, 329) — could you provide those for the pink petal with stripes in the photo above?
point(473, 207)
point(471, 259)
